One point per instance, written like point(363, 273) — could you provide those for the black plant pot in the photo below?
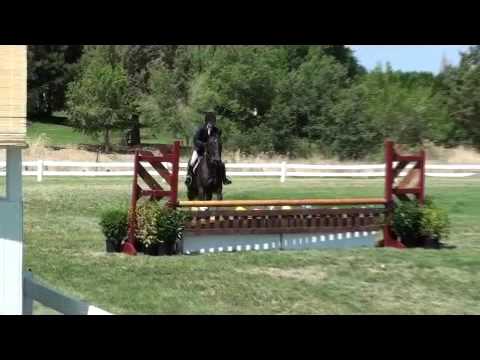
point(139, 246)
point(112, 245)
point(166, 249)
point(152, 250)
point(431, 242)
point(162, 249)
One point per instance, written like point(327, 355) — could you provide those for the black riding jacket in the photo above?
point(201, 137)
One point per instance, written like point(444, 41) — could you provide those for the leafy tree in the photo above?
point(461, 88)
point(353, 133)
point(136, 59)
point(159, 108)
point(344, 55)
point(98, 101)
point(288, 99)
point(50, 69)
point(307, 97)
point(240, 83)
point(399, 111)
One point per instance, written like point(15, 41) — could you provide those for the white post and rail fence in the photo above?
point(35, 290)
point(47, 168)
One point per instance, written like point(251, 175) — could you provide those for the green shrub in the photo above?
point(407, 222)
point(435, 221)
point(157, 224)
point(114, 224)
point(420, 225)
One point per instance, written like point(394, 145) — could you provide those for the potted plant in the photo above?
point(147, 229)
point(171, 224)
point(114, 224)
point(407, 223)
point(435, 224)
point(159, 228)
point(420, 225)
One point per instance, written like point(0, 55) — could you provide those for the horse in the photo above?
point(207, 179)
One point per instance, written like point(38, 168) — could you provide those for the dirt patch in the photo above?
point(311, 274)
point(38, 150)
point(72, 154)
point(457, 155)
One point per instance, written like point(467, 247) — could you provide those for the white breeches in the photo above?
point(194, 158)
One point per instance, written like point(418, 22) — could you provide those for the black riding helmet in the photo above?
point(210, 118)
point(210, 121)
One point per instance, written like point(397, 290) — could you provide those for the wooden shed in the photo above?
point(13, 112)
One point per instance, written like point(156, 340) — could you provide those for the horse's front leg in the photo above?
point(219, 195)
point(202, 195)
point(208, 195)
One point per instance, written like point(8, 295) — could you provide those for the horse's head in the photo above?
point(213, 149)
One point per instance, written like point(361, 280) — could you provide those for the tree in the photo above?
point(344, 55)
point(461, 88)
point(136, 59)
point(400, 110)
point(159, 108)
point(298, 54)
point(307, 97)
point(50, 69)
point(240, 84)
point(353, 133)
point(98, 101)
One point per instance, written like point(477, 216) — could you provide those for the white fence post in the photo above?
point(284, 172)
point(39, 170)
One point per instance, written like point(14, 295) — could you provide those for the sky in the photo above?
point(408, 57)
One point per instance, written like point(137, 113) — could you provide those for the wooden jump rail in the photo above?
point(304, 202)
point(303, 216)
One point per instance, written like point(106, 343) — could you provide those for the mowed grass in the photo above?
point(62, 135)
point(65, 247)
point(59, 134)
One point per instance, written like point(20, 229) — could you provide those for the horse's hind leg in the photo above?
point(219, 195)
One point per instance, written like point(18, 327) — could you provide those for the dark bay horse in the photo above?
point(207, 179)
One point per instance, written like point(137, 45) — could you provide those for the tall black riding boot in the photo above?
point(226, 180)
point(188, 180)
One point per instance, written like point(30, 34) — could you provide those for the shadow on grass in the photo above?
point(56, 120)
point(446, 246)
point(439, 246)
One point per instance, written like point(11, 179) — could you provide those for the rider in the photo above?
point(199, 142)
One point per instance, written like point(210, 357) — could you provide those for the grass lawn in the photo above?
point(64, 246)
point(61, 135)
